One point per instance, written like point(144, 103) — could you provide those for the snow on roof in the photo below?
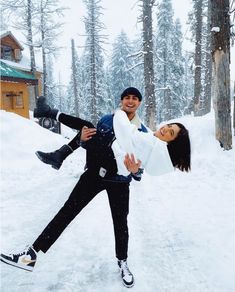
point(16, 65)
point(9, 71)
point(9, 33)
point(23, 65)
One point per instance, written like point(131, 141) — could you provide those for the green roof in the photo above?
point(10, 73)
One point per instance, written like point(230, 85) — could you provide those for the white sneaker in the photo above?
point(127, 276)
point(25, 260)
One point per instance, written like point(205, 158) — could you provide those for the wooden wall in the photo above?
point(15, 98)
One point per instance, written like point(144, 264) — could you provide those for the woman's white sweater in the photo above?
point(151, 151)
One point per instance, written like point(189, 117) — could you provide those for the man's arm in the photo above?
point(87, 133)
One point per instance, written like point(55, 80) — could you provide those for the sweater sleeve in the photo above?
point(124, 130)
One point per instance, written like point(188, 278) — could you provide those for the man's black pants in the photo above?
point(88, 186)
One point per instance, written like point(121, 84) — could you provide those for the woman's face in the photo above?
point(167, 133)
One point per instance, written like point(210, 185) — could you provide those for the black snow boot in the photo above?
point(56, 158)
point(44, 110)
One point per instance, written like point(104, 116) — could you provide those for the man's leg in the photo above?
point(118, 194)
point(85, 190)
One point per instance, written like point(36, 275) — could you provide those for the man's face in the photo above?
point(130, 104)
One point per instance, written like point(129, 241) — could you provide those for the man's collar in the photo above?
point(136, 121)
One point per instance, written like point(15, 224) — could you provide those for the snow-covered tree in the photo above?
point(178, 98)
point(164, 60)
point(75, 79)
point(149, 90)
point(94, 85)
point(48, 26)
point(120, 72)
point(198, 56)
point(138, 71)
point(188, 83)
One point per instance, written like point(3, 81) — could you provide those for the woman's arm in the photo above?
point(123, 130)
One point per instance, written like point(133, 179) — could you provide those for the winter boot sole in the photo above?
point(17, 265)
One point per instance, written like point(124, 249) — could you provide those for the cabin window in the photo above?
point(19, 102)
point(7, 101)
point(13, 100)
point(6, 52)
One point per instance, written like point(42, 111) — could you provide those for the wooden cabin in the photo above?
point(17, 82)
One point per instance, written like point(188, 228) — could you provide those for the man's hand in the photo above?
point(87, 133)
point(131, 164)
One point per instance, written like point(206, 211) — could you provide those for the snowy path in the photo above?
point(182, 232)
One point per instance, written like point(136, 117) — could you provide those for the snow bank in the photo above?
point(182, 232)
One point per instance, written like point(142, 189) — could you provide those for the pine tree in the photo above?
point(137, 70)
point(188, 83)
point(120, 67)
point(48, 27)
point(178, 99)
point(198, 56)
point(75, 79)
point(94, 86)
point(149, 87)
point(164, 60)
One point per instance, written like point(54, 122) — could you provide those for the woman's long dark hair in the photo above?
point(180, 149)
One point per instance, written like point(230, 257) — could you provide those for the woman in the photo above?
point(150, 148)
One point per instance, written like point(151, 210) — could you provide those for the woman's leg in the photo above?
point(74, 122)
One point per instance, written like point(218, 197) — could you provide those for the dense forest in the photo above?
point(173, 81)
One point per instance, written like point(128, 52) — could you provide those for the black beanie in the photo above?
point(131, 91)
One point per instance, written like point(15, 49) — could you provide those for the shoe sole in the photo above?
point(127, 286)
point(17, 265)
point(48, 162)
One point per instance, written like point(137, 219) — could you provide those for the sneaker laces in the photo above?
point(20, 253)
point(125, 268)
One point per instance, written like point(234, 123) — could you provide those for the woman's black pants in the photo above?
point(88, 186)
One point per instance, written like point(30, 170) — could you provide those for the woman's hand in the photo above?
point(131, 164)
point(87, 133)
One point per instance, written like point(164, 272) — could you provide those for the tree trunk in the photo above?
point(150, 101)
point(221, 71)
point(234, 110)
point(167, 101)
point(208, 69)
point(31, 50)
point(75, 82)
point(198, 59)
point(44, 61)
point(94, 116)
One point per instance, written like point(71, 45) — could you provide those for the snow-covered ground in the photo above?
point(182, 231)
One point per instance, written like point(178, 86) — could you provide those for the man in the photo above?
point(100, 174)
